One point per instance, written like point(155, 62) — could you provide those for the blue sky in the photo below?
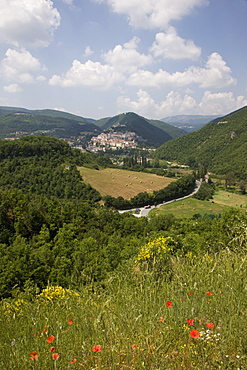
point(99, 58)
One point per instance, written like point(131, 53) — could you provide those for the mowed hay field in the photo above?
point(117, 182)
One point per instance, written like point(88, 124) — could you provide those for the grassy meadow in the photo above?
point(117, 182)
point(195, 317)
point(222, 200)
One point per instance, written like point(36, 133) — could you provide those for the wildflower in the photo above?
point(209, 293)
point(169, 304)
point(70, 321)
point(73, 360)
point(195, 334)
point(52, 349)
point(210, 325)
point(190, 322)
point(50, 339)
point(45, 329)
point(55, 356)
point(134, 345)
point(96, 348)
point(161, 319)
point(34, 355)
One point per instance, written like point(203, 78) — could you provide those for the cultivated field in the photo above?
point(117, 182)
point(221, 201)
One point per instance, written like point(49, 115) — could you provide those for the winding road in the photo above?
point(144, 210)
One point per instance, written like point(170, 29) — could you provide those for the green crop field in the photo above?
point(221, 201)
point(117, 182)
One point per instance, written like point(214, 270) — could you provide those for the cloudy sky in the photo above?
point(98, 58)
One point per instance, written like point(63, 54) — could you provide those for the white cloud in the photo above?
point(88, 51)
point(153, 13)
point(175, 103)
point(12, 89)
point(119, 61)
point(91, 74)
point(70, 2)
point(170, 45)
point(126, 58)
point(215, 74)
point(146, 105)
point(28, 22)
point(20, 66)
point(220, 102)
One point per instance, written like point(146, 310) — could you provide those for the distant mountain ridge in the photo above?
point(14, 121)
point(189, 123)
point(221, 145)
point(152, 133)
point(20, 121)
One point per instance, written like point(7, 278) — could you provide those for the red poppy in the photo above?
point(73, 360)
point(45, 329)
point(169, 304)
point(189, 293)
point(70, 321)
point(195, 334)
point(134, 345)
point(50, 339)
point(52, 349)
point(190, 322)
point(96, 348)
point(55, 356)
point(210, 325)
point(34, 355)
point(161, 319)
point(209, 293)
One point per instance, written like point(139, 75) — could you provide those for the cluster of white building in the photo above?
point(115, 140)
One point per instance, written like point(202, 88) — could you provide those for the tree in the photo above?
point(229, 179)
point(242, 187)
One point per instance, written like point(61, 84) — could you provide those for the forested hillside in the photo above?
point(72, 244)
point(44, 165)
point(150, 132)
point(221, 146)
point(56, 124)
point(16, 122)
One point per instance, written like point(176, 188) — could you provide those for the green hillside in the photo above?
point(170, 129)
point(46, 166)
point(221, 145)
point(15, 122)
point(49, 122)
point(44, 112)
point(151, 134)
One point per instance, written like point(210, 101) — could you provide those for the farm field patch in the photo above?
point(221, 201)
point(117, 182)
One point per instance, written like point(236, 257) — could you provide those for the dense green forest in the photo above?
point(72, 243)
point(221, 146)
point(44, 165)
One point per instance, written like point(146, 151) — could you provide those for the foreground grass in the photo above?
point(136, 321)
point(117, 182)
